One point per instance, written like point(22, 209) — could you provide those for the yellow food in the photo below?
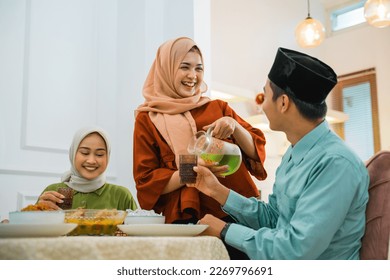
point(95, 222)
point(36, 207)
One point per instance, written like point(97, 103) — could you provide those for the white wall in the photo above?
point(69, 63)
point(58, 73)
point(246, 35)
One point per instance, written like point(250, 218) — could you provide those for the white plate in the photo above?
point(162, 229)
point(35, 230)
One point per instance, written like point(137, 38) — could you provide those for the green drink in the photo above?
point(233, 161)
point(216, 151)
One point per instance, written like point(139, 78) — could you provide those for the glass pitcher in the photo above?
point(216, 151)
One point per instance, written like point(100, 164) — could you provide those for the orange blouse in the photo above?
point(154, 164)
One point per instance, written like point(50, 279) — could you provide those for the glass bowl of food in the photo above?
point(95, 221)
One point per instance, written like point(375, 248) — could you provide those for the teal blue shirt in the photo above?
point(316, 210)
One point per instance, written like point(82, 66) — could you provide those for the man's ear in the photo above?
point(284, 103)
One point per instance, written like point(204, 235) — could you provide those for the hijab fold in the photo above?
point(72, 178)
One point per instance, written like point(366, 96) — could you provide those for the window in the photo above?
point(347, 16)
point(356, 95)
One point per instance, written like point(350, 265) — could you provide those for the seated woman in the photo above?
point(86, 181)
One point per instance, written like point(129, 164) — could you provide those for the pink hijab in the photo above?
point(168, 110)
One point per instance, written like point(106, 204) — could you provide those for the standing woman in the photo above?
point(173, 111)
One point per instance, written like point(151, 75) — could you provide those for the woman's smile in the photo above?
point(90, 168)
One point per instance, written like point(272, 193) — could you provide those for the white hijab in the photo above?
point(72, 178)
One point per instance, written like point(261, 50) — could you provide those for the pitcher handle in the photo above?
point(210, 131)
point(192, 143)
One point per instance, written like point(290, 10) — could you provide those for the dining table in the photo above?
point(113, 248)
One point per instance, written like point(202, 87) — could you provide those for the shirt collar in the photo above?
point(303, 146)
point(99, 191)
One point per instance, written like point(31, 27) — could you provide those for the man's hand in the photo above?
point(215, 225)
point(207, 183)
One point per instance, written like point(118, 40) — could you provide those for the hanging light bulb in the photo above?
point(377, 12)
point(310, 32)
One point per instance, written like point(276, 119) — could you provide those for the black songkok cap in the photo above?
point(303, 76)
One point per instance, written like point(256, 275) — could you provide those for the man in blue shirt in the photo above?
point(317, 208)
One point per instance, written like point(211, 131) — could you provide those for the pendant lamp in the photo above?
point(310, 32)
point(377, 12)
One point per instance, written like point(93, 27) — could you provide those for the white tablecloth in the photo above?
point(113, 247)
